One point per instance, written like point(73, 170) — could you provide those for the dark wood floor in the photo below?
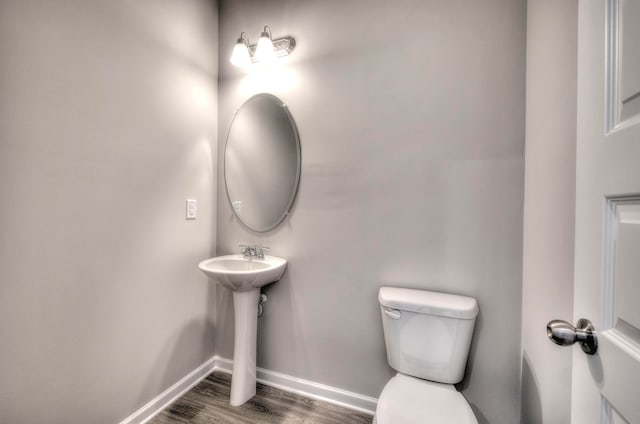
point(208, 402)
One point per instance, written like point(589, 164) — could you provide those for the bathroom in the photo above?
point(438, 153)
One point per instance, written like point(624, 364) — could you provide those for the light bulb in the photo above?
point(264, 49)
point(240, 56)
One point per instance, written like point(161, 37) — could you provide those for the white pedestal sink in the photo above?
point(244, 276)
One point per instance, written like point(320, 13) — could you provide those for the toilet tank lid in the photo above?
point(428, 302)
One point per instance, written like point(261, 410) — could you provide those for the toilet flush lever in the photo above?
point(392, 313)
point(564, 334)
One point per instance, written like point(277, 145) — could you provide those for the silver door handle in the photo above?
point(564, 334)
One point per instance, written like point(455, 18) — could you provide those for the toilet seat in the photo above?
point(410, 400)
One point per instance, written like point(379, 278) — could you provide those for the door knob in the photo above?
point(564, 334)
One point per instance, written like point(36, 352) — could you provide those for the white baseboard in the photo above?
point(308, 388)
point(164, 399)
point(275, 379)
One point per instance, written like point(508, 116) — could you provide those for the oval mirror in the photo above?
point(262, 162)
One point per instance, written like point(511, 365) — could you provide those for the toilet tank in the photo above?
point(427, 334)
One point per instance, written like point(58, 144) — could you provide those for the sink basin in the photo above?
point(244, 277)
point(238, 273)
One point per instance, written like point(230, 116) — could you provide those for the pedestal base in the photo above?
point(243, 380)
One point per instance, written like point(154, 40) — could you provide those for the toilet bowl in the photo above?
point(409, 400)
point(427, 337)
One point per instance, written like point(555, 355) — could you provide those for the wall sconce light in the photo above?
point(265, 51)
point(241, 56)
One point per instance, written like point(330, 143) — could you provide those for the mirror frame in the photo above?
point(296, 184)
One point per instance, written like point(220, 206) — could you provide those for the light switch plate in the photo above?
point(192, 209)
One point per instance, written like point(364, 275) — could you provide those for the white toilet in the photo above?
point(427, 335)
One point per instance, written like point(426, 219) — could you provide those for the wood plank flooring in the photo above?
point(208, 402)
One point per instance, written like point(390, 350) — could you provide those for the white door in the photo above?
point(606, 386)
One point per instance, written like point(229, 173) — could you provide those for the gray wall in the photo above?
point(549, 207)
point(108, 122)
point(411, 115)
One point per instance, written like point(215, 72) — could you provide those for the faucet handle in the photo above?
point(255, 251)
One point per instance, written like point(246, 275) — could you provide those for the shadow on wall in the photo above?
point(531, 410)
point(469, 369)
point(477, 330)
point(183, 344)
point(476, 411)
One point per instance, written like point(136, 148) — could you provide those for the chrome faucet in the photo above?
point(253, 252)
